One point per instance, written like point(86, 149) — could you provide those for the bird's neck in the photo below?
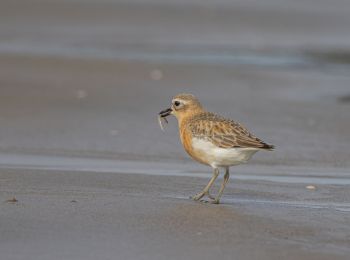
point(184, 118)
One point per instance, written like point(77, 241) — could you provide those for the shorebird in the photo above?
point(212, 140)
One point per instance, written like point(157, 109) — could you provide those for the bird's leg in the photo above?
point(205, 191)
point(224, 182)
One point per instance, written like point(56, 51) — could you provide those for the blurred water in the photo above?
point(159, 57)
point(89, 77)
point(59, 163)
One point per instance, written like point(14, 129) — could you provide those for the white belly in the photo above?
point(221, 157)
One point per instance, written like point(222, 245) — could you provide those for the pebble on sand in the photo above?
point(13, 200)
point(311, 187)
point(81, 94)
point(156, 74)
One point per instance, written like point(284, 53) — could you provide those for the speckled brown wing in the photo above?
point(224, 133)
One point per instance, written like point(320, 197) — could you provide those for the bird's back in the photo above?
point(223, 132)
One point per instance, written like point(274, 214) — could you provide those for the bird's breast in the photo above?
point(187, 142)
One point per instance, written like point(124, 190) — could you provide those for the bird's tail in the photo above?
point(269, 147)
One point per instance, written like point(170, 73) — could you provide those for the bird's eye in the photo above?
point(177, 103)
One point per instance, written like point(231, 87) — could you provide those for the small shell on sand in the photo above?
point(13, 200)
point(311, 187)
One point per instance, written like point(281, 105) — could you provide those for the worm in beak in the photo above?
point(162, 117)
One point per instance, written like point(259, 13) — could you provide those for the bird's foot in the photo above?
point(214, 201)
point(200, 195)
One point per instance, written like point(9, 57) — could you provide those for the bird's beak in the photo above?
point(165, 112)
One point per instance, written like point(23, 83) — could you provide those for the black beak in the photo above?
point(165, 112)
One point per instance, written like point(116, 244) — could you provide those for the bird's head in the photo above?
point(182, 105)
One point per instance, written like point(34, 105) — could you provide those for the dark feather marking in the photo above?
point(224, 132)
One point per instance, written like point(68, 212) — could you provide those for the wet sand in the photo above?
point(95, 178)
point(89, 215)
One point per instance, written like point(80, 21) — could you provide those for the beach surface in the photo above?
point(86, 172)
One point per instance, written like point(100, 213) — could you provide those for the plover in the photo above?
point(212, 139)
